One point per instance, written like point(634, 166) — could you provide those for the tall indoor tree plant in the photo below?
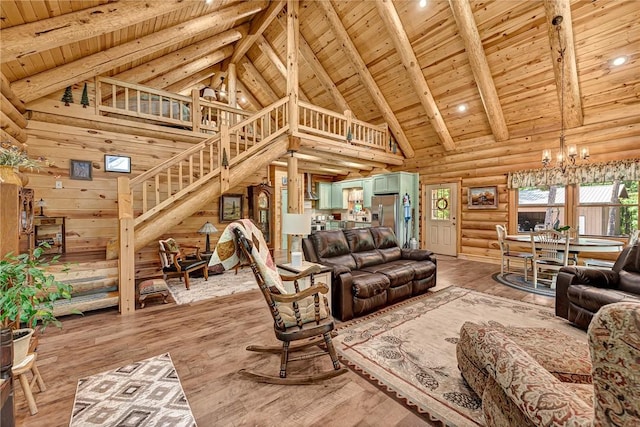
point(27, 294)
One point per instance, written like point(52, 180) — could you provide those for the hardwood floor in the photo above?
point(206, 341)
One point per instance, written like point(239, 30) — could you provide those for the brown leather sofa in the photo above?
point(370, 270)
point(581, 291)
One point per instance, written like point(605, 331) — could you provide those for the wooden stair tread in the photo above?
point(83, 303)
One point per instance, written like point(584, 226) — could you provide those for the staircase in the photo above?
point(162, 197)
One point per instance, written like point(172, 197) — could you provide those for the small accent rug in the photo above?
point(410, 349)
point(517, 281)
point(145, 393)
point(218, 285)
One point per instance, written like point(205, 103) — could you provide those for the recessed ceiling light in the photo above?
point(208, 1)
point(243, 99)
point(462, 108)
point(619, 61)
point(423, 3)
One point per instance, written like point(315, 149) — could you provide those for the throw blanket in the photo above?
point(227, 254)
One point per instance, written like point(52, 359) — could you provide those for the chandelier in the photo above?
point(569, 154)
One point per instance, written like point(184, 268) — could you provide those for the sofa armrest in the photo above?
point(540, 396)
point(417, 254)
point(342, 296)
point(593, 277)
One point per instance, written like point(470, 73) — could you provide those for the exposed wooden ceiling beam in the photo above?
point(254, 80)
point(368, 81)
point(187, 83)
point(163, 64)
point(317, 68)
point(573, 115)
point(480, 67)
point(314, 168)
point(41, 84)
point(258, 25)
point(189, 68)
point(253, 102)
point(5, 88)
point(390, 17)
point(273, 57)
point(38, 36)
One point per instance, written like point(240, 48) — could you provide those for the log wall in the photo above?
point(486, 163)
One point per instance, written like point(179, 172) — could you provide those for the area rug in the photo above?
point(145, 393)
point(410, 349)
point(517, 281)
point(217, 285)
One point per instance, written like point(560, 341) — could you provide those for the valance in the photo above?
point(624, 170)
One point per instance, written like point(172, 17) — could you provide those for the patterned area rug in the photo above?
point(145, 393)
point(410, 349)
point(517, 281)
point(218, 285)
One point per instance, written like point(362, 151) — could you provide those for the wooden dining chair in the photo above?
point(550, 250)
point(507, 255)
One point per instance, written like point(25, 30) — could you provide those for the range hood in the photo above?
point(309, 194)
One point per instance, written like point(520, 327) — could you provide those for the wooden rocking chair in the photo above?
point(301, 320)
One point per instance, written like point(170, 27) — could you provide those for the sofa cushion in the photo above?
point(367, 285)
point(384, 237)
point(398, 272)
point(340, 264)
point(359, 239)
point(330, 244)
point(367, 258)
point(390, 254)
point(591, 298)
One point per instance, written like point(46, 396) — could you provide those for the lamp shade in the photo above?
point(209, 93)
point(296, 223)
point(207, 228)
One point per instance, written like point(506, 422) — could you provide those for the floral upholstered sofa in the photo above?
point(554, 389)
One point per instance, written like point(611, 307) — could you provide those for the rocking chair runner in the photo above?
point(301, 320)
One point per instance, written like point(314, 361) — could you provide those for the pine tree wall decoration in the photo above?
point(85, 97)
point(67, 98)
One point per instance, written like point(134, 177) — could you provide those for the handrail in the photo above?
point(135, 100)
point(169, 181)
point(342, 127)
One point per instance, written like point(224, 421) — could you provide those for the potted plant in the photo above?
point(12, 159)
point(27, 293)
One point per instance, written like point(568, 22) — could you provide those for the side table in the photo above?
point(213, 269)
point(323, 277)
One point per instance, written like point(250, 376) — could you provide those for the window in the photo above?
point(440, 209)
point(608, 209)
point(540, 208)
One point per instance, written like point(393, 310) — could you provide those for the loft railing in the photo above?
point(166, 108)
point(342, 127)
point(159, 187)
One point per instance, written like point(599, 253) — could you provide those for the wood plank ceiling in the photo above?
point(497, 57)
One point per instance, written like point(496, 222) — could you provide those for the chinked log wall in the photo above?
point(479, 164)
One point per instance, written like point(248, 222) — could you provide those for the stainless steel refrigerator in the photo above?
point(385, 212)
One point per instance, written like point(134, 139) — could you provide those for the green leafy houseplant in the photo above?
point(27, 291)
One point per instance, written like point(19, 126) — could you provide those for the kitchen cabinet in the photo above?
point(367, 192)
point(386, 184)
point(338, 196)
point(324, 195)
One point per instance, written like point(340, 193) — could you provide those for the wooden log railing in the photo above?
point(342, 127)
point(171, 180)
point(134, 100)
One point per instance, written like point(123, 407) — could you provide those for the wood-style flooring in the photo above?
point(207, 343)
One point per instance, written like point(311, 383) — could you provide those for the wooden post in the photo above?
point(196, 114)
point(98, 94)
point(126, 235)
point(9, 219)
point(225, 145)
point(293, 26)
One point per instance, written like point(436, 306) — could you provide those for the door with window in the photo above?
point(441, 207)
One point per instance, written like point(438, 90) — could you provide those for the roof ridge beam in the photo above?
point(258, 24)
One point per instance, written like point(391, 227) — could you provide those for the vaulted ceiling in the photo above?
point(387, 61)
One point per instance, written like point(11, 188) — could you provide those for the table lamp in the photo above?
point(207, 229)
point(41, 205)
point(297, 225)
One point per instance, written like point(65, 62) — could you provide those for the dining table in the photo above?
point(577, 244)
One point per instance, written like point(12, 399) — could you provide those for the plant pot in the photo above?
point(21, 340)
point(8, 175)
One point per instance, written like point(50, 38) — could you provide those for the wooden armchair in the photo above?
point(301, 319)
point(175, 262)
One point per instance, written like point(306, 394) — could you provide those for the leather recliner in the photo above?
point(582, 291)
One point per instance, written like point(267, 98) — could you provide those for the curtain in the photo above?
point(624, 170)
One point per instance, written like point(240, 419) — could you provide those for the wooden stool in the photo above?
point(20, 371)
point(152, 287)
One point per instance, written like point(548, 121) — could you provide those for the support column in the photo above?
point(293, 26)
point(9, 217)
point(126, 233)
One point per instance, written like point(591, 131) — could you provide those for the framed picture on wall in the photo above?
point(483, 197)
point(117, 163)
point(230, 207)
point(80, 169)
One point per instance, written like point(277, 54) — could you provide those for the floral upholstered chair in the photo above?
point(176, 262)
point(520, 391)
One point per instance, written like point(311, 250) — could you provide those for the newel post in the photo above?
point(126, 241)
point(196, 114)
